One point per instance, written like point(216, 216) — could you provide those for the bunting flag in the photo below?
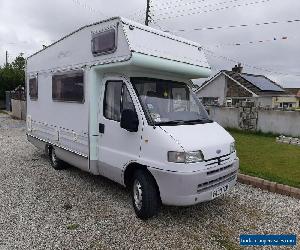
point(252, 42)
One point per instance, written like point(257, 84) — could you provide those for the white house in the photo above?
point(230, 87)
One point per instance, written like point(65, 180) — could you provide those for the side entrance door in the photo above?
point(117, 146)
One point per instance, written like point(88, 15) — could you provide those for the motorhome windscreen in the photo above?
point(169, 102)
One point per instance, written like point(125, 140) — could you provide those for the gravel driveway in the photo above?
point(41, 208)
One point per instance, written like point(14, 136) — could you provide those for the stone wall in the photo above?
point(248, 114)
point(267, 121)
point(281, 122)
point(227, 117)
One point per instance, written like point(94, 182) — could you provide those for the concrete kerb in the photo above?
point(269, 185)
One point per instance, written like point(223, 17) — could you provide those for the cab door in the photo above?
point(117, 147)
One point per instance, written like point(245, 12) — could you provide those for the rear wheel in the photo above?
point(56, 163)
point(145, 195)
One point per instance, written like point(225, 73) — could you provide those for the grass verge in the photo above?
point(260, 155)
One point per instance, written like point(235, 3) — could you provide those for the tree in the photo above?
point(12, 75)
point(19, 62)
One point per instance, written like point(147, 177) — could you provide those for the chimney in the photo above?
point(238, 68)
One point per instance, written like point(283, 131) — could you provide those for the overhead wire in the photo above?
point(138, 12)
point(135, 15)
point(235, 26)
point(229, 59)
point(157, 24)
point(213, 10)
point(212, 53)
point(216, 55)
point(253, 42)
point(196, 7)
point(178, 1)
point(89, 8)
point(17, 43)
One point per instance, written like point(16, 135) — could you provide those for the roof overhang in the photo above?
point(140, 63)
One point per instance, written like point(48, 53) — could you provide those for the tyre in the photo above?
point(145, 195)
point(56, 163)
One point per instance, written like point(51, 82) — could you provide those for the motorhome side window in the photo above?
point(33, 88)
point(113, 103)
point(68, 87)
point(104, 42)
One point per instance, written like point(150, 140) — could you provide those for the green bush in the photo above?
point(12, 75)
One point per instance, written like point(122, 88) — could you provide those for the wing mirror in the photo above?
point(129, 120)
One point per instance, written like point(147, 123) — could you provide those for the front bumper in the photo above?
point(189, 188)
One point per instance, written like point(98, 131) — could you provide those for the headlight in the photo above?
point(185, 157)
point(232, 147)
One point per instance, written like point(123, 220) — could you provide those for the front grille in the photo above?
point(216, 182)
point(219, 170)
point(218, 160)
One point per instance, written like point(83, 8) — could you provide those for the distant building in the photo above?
point(228, 88)
point(293, 91)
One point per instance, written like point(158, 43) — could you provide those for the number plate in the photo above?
point(219, 191)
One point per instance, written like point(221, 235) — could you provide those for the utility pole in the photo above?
point(147, 20)
point(6, 58)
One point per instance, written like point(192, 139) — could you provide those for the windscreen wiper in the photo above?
point(175, 122)
point(199, 121)
point(182, 122)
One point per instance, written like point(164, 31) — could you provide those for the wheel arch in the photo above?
point(129, 171)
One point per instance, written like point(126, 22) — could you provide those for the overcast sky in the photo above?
point(26, 25)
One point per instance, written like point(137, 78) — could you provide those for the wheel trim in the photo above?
point(137, 194)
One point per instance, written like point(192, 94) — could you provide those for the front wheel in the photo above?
point(145, 195)
point(56, 163)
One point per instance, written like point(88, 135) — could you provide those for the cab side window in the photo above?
point(117, 99)
point(112, 100)
point(127, 102)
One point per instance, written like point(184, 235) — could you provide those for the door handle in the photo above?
point(101, 128)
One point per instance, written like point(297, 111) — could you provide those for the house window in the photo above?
point(33, 88)
point(210, 101)
point(104, 42)
point(68, 87)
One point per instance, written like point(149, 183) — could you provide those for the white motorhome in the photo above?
point(114, 99)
